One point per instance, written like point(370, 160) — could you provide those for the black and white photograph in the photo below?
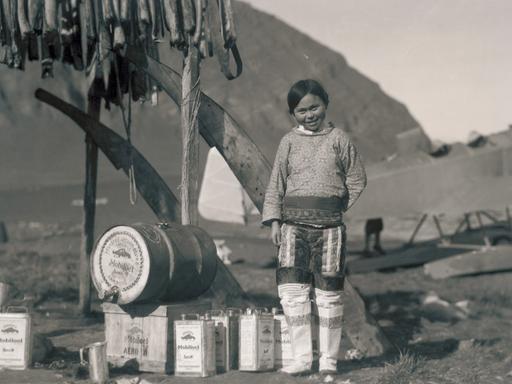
point(255, 191)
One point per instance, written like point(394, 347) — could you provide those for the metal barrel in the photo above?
point(150, 262)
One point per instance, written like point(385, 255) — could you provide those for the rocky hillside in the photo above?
point(39, 146)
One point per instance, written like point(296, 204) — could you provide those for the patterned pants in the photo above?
point(311, 257)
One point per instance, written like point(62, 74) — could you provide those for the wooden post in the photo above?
point(416, 230)
point(444, 240)
point(87, 241)
point(190, 101)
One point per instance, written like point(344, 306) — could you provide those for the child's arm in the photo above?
point(277, 186)
point(355, 175)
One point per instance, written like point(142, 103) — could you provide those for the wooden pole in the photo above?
point(190, 101)
point(87, 241)
point(416, 230)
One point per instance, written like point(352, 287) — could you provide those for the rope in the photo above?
point(127, 122)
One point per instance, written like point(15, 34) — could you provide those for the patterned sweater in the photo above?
point(308, 165)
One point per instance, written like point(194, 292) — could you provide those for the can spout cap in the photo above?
point(111, 294)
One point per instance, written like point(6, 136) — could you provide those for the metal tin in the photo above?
point(283, 344)
point(96, 361)
point(256, 341)
point(194, 346)
point(226, 338)
point(15, 339)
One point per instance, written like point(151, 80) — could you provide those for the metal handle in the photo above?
point(216, 312)
point(82, 358)
point(234, 311)
point(111, 294)
point(18, 307)
point(190, 316)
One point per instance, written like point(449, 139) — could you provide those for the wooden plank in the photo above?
point(150, 185)
point(360, 326)
point(218, 128)
point(408, 258)
point(89, 212)
point(190, 101)
point(492, 259)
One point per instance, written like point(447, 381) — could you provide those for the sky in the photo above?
point(449, 61)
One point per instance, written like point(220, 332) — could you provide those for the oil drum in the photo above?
point(150, 262)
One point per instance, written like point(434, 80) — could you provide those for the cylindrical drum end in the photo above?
point(120, 265)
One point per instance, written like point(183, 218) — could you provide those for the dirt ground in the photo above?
point(435, 346)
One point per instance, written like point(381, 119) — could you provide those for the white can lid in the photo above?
point(121, 259)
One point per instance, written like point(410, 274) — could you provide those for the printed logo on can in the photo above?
point(188, 348)
point(12, 342)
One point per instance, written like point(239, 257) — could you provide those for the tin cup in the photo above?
point(5, 290)
point(96, 360)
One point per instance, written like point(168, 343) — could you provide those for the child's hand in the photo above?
point(276, 233)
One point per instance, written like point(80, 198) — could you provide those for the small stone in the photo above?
point(354, 354)
point(466, 345)
point(328, 379)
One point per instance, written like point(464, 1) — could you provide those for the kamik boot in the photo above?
point(330, 317)
point(297, 309)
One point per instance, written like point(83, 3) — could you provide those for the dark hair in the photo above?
point(301, 88)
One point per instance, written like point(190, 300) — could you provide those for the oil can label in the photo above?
point(220, 342)
point(189, 348)
point(248, 338)
point(266, 343)
point(13, 333)
point(283, 345)
point(121, 260)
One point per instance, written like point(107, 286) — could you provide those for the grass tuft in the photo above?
point(402, 370)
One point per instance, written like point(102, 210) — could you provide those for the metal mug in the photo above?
point(5, 290)
point(97, 361)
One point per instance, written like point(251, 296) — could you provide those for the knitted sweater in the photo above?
point(321, 164)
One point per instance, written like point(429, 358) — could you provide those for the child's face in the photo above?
point(310, 112)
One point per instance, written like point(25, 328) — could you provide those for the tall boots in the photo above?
point(297, 308)
point(330, 316)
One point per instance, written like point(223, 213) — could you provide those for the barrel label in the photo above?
point(13, 334)
point(121, 260)
point(188, 348)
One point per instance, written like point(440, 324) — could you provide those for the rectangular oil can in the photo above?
point(226, 338)
point(256, 341)
point(15, 338)
point(194, 341)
